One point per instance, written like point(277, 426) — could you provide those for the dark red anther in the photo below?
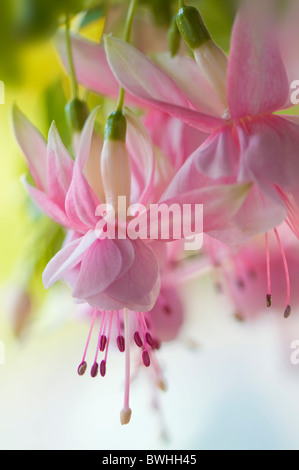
point(82, 368)
point(94, 370)
point(146, 358)
point(103, 368)
point(149, 339)
point(138, 339)
point(287, 311)
point(268, 300)
point(121, 343)
point(103, 342)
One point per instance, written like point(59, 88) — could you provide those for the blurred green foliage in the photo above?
point(23, 21)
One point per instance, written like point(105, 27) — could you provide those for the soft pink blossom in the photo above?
point(248, 141)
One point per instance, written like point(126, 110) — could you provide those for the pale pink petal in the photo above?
point(219, 156)
point(269, 149)
point(141, 151)
point(143, 78)
point(92, 168)
point(106, 261)
point(81, 202)
point(127, 252)
point(288, 39)
point(33, 146)
point(187, 179)
point(91, 66)
point(188, 76)
point(100, 266)
point(102, 301)
point(139, 285)
point(59, 167)
point(257, 80)
point(167, 316)
point(176, 139)
point(150, 82)
point(47, 205)
point(194, 212)
point(292, 118)
point(67, 258)
point(202, 122)
point(262, 211)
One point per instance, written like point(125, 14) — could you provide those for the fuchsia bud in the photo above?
point(208, 55)
point(76, 113)
point(115, 162)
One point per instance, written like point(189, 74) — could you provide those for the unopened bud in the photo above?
point(115, 161)
point(76, 113)
point(208, 55)
point(192, 27)
point(116, 127)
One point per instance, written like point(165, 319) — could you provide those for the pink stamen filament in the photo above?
point(137, 335)
point(127, 360)
point(118, 323)
point(145, 355)
point(286, 269)
point(99, 337)
point(268, 270)
point(103, 339)
point(89, 335)
point(120, 340)
point(104, 362)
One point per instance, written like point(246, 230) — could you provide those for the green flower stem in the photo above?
point(70, 58)
point(128, 29)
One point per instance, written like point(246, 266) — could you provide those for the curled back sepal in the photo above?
point(203, 210)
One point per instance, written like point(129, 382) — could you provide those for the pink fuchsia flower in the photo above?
point(73, 203)
point(244, 272)
point(114, 275)
point(120, 284)
point(248, 141)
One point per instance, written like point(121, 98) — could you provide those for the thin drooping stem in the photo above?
point(286, 269)
point(128, 29)
point(70, 58)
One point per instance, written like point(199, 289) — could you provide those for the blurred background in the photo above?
point(231, 384)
